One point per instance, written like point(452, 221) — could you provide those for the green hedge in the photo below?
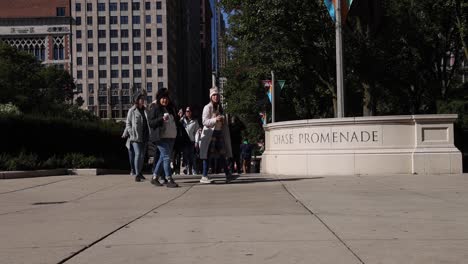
point(54, 141)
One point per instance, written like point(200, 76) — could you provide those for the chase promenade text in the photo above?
point(330, 137)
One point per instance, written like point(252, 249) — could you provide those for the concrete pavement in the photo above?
point(256, 219)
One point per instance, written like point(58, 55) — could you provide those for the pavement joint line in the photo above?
point(35, 186)
point(123, 226)
point(323, 222)
point(99, 190)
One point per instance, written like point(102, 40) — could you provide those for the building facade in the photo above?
point(205, 45)
point(40, 27)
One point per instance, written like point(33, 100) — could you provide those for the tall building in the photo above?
point(205, 45)
point(125, 46)
point(40, 27)
point(214, 36)
point(222, 45)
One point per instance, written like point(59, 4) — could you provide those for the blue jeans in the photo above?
point(139, 149)
point(165, 146)
point(131, 154)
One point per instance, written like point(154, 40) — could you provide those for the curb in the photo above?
point(31, 174)
point(6, 175)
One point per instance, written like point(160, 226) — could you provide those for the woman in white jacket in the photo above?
point(215, 140)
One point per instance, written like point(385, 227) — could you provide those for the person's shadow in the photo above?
point(242, 179)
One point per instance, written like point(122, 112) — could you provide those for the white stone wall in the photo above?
point(417, 144)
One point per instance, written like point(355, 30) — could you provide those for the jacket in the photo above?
point(134, 126)
point(208, 128)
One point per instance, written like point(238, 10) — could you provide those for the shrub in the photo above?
point(24, 161)
point(78, 161)
point(53, 163)
point(9, 109)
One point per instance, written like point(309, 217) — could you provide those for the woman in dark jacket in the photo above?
point(163, 123)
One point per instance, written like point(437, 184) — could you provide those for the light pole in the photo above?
point(339, 62)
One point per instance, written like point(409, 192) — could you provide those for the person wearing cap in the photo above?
point(162, 120)
point(191, 126)
point(215, 140)
point(137, 133)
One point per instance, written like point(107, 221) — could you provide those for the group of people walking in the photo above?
point(168, 131)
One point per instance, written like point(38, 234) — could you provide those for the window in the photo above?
point(160, 45)
point(101, 20)
point(79, 88)
point(148, 5)
point(78, 21)
point(78, 47)
point(114, 101)
point(136, 33)
point(79, 74)
point(77, 7)
point(123, 6)
point(148, 45)
point(91, 88)
point(159, 32)
point(124, 33)
point(89, 7)
point(90, 46)
point(149, 73)
point(125, 86)
point(78, 34)
point(114, 46)
point(91, 100)
point(89, 20)
point(103, 100)
point(160, 85)
point(114, 60)
point(136, 60)
point(61, 11)
point(113, 20)
point(160, 59)
point(125, 74)
point(114, 74)
point(125, 99)
point(112, 6)
point(102, 47)
point(102, 74)
point(149, 87)
point(148, 19)
point(79, 61)
point(148, 59)
point(135, 6)
point(101, 7)
point(90, 34)
point(59, 51)
point(114, 33)
point(102, 60)
point(90, 61)
point(159, 19)
point(90, 74)
point(148, 32)
point(136, 46)
point(101, 33)
point(158, 5)
point(136, 20)
point(138, 86)
point(124, 20)
point(124, 46)
point(124, 60)
point(149, 98)
point(160, 73)
point(137, 73)
point(103, 113)
point(102, 87)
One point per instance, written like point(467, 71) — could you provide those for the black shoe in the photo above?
point(142, 177)
point(172, 184)
point(230, 177)
point(137, 178)
point(156, 182)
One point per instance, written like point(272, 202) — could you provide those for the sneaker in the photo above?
point(172, 184)
point(137, 178)
point(142, 177)
point(205, 180)
point(155, 182)
point(230, 177)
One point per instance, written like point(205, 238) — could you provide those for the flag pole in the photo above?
point(272, 97)
point(339, 62)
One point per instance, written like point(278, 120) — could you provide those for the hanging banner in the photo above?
point(281, 84)
point(345, 6)
point(267, 85)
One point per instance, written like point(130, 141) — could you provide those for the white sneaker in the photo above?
point(205, 180)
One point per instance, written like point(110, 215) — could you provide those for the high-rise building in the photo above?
point(205, 42)
point(125, 46)
point(40, 27)
point(222, 45)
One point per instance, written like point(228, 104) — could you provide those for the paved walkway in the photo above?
point(256, 219)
